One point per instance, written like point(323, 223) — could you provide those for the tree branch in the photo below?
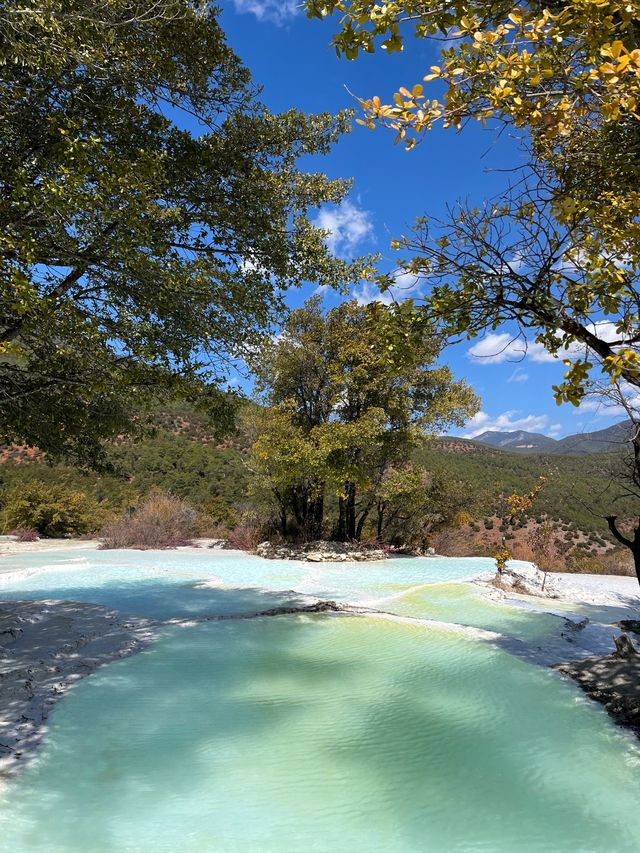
point(611, 522)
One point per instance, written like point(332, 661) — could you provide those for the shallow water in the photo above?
point(163, 584)
point(315, 733)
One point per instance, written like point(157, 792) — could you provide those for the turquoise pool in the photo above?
point(314, 733)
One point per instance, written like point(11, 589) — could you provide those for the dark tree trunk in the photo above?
point(282, 507)
point(297, 504)
point(340, 530)
point(380, 521)
point(350, 490)
point(632, 544)
point(316, 518)
point(636, 562)
point(363, 517)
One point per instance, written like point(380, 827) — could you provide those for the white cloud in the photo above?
point(607, 331)
point(499, 347)
point(518, 375)
point(506, 422)
point(347, 225)
point(596, 407)
point(607, 400)
point(406, 283)
point(277, 11)
point(405, 286)
point(368, 292)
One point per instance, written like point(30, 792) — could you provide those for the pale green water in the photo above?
point(327, 733)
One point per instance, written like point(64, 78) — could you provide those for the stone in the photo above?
point(624, 647)
point(319, 552)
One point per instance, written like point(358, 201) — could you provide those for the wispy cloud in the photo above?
point(611, 401)
point(518, 375)
point(276, 11)
point(347, 226)
point(507, 422)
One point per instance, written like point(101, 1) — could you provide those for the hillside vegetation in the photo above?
point(184, 459)
point(579, 489)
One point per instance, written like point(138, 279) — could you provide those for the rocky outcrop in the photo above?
point(612, 680)
point(530, 581)
point(320, 552)
point(45, 648)
point(316, 607)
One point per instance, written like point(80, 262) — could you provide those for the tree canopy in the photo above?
point(152, 213)
point(558, 254)
point(349, 395)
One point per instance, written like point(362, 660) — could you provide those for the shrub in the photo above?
point(371, 542)
point(452, 542)
point(581, 564)
point(523, 551)
point(217, 516)
point(25, 534)
point(617, 562)
point(244, 538)
point(51, 510)
point(161, 521)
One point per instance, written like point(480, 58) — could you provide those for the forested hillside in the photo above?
point(469, 483)
point(579, 489)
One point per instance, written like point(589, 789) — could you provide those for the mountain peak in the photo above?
point(521, 441)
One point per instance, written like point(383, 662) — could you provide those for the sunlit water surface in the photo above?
point(314, 733)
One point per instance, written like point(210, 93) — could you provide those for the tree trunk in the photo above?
point(316, 517)
point(632, 544)
point(636, 561)
point(282, 507)
point(340, 530)
point(298, 508)
point(361, 521)
point(351, 510)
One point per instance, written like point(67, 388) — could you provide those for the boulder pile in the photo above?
point(321, 552)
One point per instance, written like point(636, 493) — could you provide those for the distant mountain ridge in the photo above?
point(580, 444)
point(520, 440)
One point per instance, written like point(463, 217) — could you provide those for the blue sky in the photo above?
point(291, 57)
